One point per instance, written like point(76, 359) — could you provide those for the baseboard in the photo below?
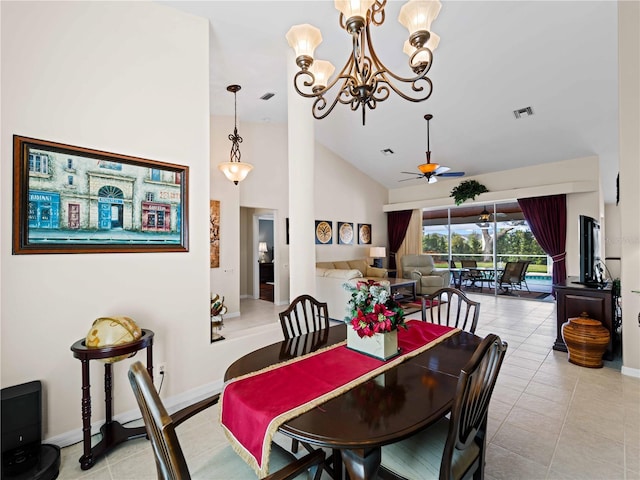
point(630, 372)
point(172, 404)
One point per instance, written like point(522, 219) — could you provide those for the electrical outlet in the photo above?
point(162, 367)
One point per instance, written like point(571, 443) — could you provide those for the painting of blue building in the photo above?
point(81, 199)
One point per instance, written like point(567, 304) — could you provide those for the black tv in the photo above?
point(590, 271)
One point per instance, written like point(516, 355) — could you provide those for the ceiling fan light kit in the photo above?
point(364, 80)
point(431, 171)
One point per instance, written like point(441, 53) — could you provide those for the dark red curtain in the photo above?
point(547, 218)
point(397, 224)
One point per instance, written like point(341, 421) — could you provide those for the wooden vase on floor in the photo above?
point(586, 340)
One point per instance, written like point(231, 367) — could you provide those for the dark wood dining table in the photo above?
point(388, 408)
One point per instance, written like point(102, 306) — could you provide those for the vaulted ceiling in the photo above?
point(494, 57)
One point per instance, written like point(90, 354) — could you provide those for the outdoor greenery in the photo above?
point(510, 241)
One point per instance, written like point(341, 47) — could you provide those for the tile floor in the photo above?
point(548, 419)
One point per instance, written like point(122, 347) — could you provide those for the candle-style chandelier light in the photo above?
point(365, 80)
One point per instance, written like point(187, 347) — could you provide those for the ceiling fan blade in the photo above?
point(412, 173)
point(451, 174)
point(416, 178)
point(441, 170)
point(433, 179)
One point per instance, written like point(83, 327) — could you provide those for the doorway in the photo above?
point(264, 250)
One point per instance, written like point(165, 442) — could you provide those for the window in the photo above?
point(70, 163)
point(38, 163)
point(155, 174)
point(149, 197)
point(70, 179)
point(489, 235)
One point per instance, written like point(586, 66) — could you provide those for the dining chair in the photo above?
point(224, 462)
point(451, 307)
point(454, 447)
point(305, 314)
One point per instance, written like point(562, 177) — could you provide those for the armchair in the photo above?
point(421, 268)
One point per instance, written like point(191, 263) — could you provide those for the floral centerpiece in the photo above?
point(375, 318)
point(373, 310)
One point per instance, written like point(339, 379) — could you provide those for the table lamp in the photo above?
point(262, 249)
point(377, 253)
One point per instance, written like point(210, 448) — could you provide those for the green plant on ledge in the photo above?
point(468, 189)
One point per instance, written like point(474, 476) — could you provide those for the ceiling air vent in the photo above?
point(387, 151)
point(267, 96)
point(523, 112)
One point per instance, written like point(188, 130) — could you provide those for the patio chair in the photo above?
point(523, 274)
point(473, 276)
point(223, 462)
point(457, 276)
point(454, 447)
point(451, 307)
point(511, 277)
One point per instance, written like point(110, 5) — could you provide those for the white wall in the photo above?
point(629, 99)
point(348, 195)
point(124, 77)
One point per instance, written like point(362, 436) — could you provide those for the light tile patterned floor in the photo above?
point(548, 419)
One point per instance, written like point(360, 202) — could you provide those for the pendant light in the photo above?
point(234, 169)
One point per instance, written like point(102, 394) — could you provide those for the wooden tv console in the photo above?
point(598, 302)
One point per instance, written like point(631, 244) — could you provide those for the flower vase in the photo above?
point(216, 324)
point(381, 345)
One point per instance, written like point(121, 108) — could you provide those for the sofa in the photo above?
point(422, 269)
point(331, 276)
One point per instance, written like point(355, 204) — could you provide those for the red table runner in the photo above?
point(255, 405)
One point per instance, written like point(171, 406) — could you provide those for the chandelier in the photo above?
point(234, 169)
point(365, 80)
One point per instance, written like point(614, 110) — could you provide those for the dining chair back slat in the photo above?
point(305, 314)
point(451, 307)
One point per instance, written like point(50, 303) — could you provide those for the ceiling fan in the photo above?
point(431, 171)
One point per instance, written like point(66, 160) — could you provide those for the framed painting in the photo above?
point(69, 199)
point(364, 233)
point(345, 233)
point(324, 232)
point(214, 233)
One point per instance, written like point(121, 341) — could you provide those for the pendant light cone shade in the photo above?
point(428, 167)
point(353, 8)
point(322, 71)
point(304, 39)
point(417, 15)
point(234, 169)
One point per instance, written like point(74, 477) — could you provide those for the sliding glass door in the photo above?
point(480, 241)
